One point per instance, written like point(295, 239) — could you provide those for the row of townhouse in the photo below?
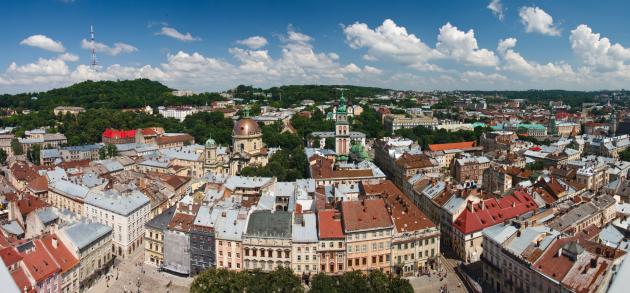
point(382, 230)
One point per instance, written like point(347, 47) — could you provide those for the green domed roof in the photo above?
point(210, 142)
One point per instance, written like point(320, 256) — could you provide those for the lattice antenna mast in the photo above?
point(92, 47)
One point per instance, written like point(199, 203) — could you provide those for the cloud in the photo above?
point(368, 57)
point(477, 76)
point(391, 42)
point(497, 9)
point(598, 52)
point(118, 48)
point(506, 44)
point(173, 33)
point(69, 57)
point(462, 46)
point(513, 61)
point(298, 62)
point(537, 20)
point(371, 70)
point(43, 42)
point(254, 42)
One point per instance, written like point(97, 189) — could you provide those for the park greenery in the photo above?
point(87, 127)
point(426, 136)
point(284, 280)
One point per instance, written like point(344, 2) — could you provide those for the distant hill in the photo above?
point(105, 94)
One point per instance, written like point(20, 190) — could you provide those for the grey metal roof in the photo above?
point(268, 224)
point(203, 217)
point(306, 229)
point(68, 188)
point(84, 233)
point(13, 228)
point(160, 222)
point(50, 153)
point(186, 153)
point(83, 148)
point(234, 182)
point(499, 233)
point(46, 215)
point(121, 204)
point(229, 223)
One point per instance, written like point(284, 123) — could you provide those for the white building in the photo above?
point(178, 113)
point(125, 213)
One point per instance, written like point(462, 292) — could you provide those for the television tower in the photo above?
point(93, 57)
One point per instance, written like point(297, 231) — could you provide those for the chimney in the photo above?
point(298, 209)
point(560, 252)
point(54, 242)
point(483, 205)
point(470, 206)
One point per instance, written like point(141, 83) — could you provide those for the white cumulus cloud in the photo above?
point(596, 51)
point(173, 33)
point(497, 9)
point(43, 42)
point(393, 42)
point(462, 46)
point(114, 50)
point(254, 42)
point(537, 20)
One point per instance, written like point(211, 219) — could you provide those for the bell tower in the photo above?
point(342, 129)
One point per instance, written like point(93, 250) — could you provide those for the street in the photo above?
point(433, 283)
point(131, 272)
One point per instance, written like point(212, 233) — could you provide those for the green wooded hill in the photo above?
point(107, 95)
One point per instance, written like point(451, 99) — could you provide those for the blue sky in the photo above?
point(215, 45)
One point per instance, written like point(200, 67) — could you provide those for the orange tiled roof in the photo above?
point(451, 146)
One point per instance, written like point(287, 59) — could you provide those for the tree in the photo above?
point(3, 156)
point(221, 280)
point(33, 154)
point(102, 153)
point(353, 281)
point(112, 151)
point(16, 147)
point(323, 283)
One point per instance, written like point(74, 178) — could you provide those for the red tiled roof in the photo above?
point(10, 256)
point(39, 262)
point(405, 214)
point(62, 255)
point(21, 280)
point(38, 184)
point(329, 224)
point(490, 212)
point(451, 146)
point(174, 138)
point(116, 134)
point(365, 214)
point(30, 203)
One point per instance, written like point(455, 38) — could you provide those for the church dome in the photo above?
point(246, 126)
point(210, 142)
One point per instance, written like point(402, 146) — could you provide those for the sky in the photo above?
point(409, 45)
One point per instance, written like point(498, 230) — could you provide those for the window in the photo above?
point(373, 246)
point(339, 244)
point(349, 263)
point(373, 259)
point(380, 258)
point(364, 260)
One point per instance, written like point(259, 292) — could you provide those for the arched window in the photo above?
point(242, 147)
